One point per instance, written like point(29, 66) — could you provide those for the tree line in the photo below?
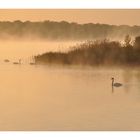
point(64, 30)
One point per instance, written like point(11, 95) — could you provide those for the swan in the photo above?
point(115, 84)
point(6, 60)
point(17, 62)
point(32, 63)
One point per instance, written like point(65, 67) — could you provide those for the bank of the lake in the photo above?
point(102, 52)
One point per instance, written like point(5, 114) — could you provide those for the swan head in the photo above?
point(112, 78)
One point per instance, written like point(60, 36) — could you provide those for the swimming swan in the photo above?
point(32, 63)
point(115, 84)
point(6, 60)
point(17, 62)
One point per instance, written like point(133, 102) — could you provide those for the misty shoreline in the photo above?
point(96, 53)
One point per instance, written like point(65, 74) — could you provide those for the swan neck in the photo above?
point(112, 82)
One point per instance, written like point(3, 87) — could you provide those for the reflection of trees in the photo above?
point(137, 76)
point(127, 77)
point(130, 75)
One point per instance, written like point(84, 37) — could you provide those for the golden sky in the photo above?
point(129, 17)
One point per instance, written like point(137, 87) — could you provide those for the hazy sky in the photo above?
point(129, 17)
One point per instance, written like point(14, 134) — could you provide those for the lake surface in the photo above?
point(42, 97)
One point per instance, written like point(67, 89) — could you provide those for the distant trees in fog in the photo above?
point(64, 30)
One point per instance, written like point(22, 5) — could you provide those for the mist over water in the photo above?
point(42, 97)
point(26, 49)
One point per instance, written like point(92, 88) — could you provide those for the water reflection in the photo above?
point(131, 79)
point(128, 78)
point(66, 98)
point(112, 89)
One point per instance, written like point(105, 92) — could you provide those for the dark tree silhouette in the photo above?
point(127, 41)
point(137, 42)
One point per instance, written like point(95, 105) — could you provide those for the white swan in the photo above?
point(32, 63)
point(115, 84)
point(17, 62)
point(6, 60)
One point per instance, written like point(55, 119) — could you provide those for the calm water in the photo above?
point(66, 98)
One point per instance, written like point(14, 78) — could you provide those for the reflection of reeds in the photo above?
point(94, 53)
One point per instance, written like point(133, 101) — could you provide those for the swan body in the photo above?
point(32, 63)
point(6, 60)
point(115, 84)
point(17, 62)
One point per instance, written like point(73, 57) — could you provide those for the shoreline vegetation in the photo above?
point(96, 53)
